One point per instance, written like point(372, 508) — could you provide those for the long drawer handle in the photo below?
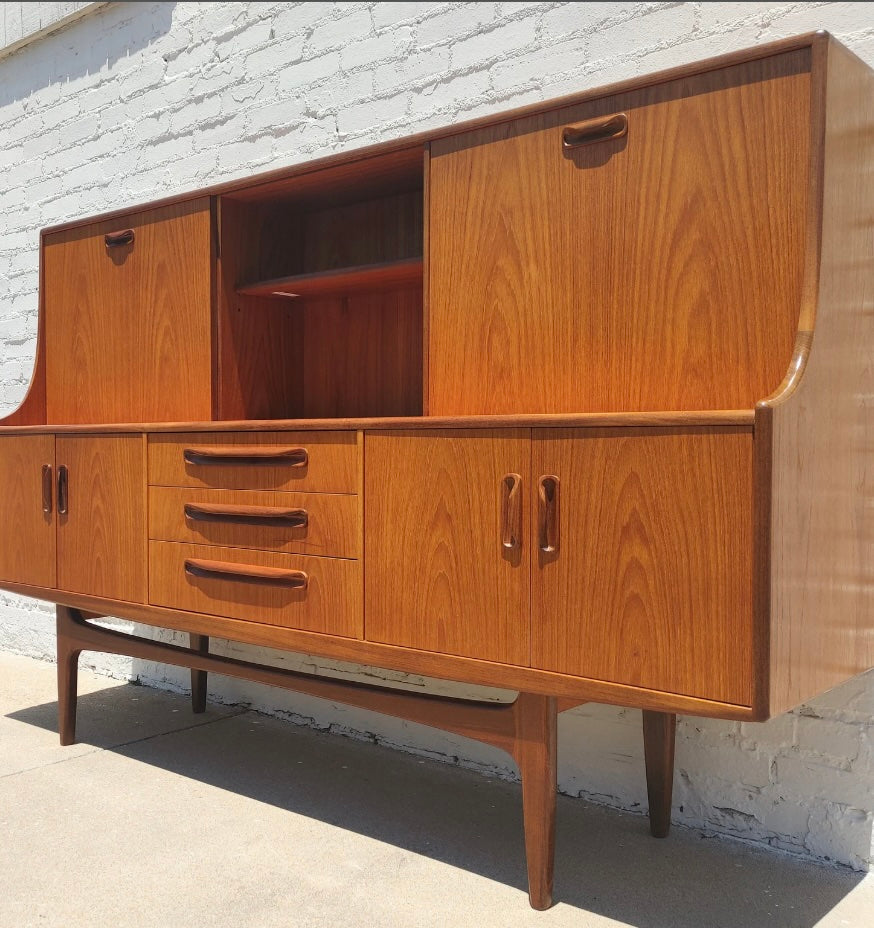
point(548, 513)
point(116, 239)
point(248, 573)
point(63, 490)
point(236, 455)
point(47, 489)
point(601, 129)
point(511, 510)
point(246, 515)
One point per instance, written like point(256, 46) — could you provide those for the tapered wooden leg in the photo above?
point(68, 672)
point(659, 736)
point(535, 753)
point(199, 643)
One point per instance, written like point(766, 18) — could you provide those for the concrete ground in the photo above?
point(161, 818)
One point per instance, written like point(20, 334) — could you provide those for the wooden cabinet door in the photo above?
point(650, 584)
point(102, 534)
point(128, 332)
point(439, 577)
point(657, 270)
point(27, 552)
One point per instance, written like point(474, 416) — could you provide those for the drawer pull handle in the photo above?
point(116, 239)
point(548, 514)
point(601, 129)
point(63, 490)
point(238, 455)
point(246, 515)
point(47, 488)
point(247, 573)
point(511, 510)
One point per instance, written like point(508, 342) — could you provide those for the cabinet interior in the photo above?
point(320, 293)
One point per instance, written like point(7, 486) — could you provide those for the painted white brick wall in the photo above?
point(143, 100)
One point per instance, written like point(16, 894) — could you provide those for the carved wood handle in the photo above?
point(511, 511)
point(246, 515)
point(47, 488)
point(235, 455)
point(601, 129)
point(548, 513)
point(246, 573)
point(62, 490)
point(122, 237)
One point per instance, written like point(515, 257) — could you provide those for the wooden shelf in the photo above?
point(388, 275)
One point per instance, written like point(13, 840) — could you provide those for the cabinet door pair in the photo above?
point(644, 576)
point(74, 514)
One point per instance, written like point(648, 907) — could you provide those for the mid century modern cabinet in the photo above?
point(574, 400)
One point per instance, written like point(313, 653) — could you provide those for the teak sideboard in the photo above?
point(574, 400)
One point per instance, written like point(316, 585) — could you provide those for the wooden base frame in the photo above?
point(525, 728)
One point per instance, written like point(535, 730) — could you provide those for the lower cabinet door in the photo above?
point(447, 552)
point(27, 527)
point(102, 516)
point(649, 582)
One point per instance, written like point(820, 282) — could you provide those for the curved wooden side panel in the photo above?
point(32, 410)
point(816, 434)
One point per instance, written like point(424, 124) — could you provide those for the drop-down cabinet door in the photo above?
point(27, 526)
point(101, 516)
point(446, 542)
point(127, 318)
point(642, 251)
point(642, 563)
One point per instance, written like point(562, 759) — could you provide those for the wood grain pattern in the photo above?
point(332, 465)
point(128, 332)
point(438, 577)
point(389, 275)
point(102, 538)
point(651, 584)
point(27, 552)
point(681, 234)
point(331, 602)
point(821, 423)
point(363, 355)
point(332, 528)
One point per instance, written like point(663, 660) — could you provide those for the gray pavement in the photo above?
point(161, 818)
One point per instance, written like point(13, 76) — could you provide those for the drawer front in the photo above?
point(212, 580)
point(325, 524)
point(324, 462)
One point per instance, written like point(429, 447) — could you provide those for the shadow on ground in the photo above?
point(606, 863)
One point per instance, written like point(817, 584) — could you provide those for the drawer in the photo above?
point(304, 523)
point(325, 462)
point(317, 594)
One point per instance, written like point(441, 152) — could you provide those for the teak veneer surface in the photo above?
point(332, 528)
point(438, 576)
point(27, 553)
point(127, 329)
point(651, 584)
point(102, 538)
point(333, 464)
point(331, 602)
point(687, 237)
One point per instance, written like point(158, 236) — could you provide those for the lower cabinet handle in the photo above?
point(48, 489)
point(511, 510)
point(247, 573)
point(547, 513)
point(62, 490)
point(246, 454)
point(246, 515)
